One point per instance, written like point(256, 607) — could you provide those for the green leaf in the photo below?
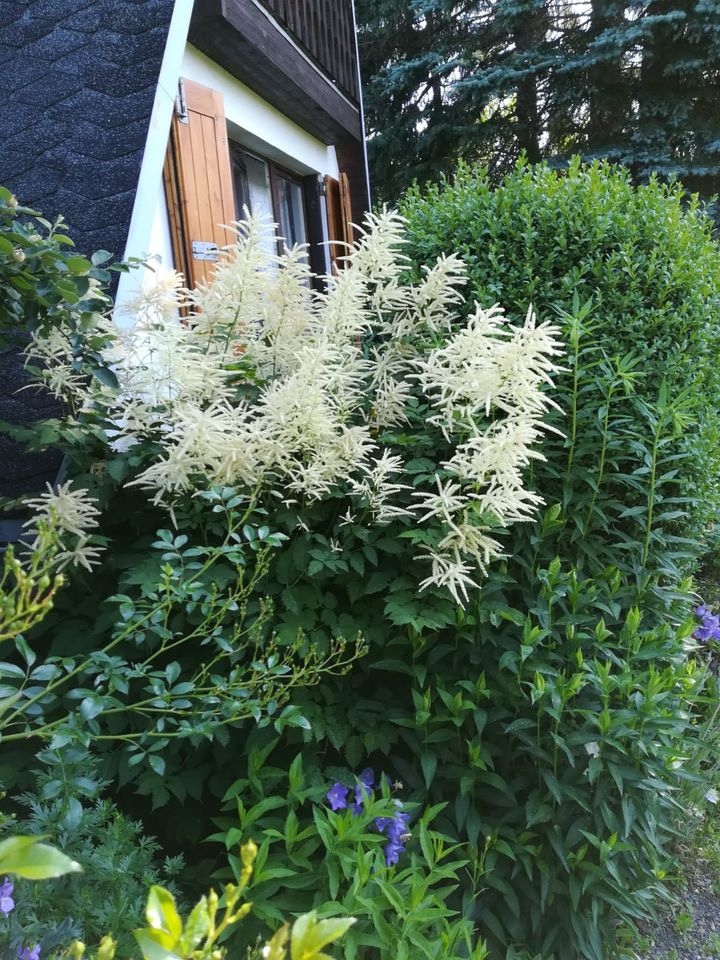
point(28, 655)
point(309, 935)
point(157, 763)
point(29, 858)
point(428, 762)
point(161, 912)
point(106, 377)
point(156, 945)
point(196, 927)
point(78, 265)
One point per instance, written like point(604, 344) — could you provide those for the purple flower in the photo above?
point(709, 627)
point(360, 794)
point(367, 778)
point(393, 851)
point(336, 797)
point(27, 953)
point(6, 900)
point(397, 829)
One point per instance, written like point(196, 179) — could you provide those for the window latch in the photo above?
point(181, 104)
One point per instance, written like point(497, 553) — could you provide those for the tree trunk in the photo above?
point(609, 92)
point(529, 32)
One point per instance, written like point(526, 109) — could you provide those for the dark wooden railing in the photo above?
point(324, 29)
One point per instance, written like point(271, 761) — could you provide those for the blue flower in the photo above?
point(709, 627)
point(395, 827)
point(360, 794)
point(27, 953)
point(367, 778)
point(6, 900)
point(397, 830)
point(337, 797)
point(363, 790)
point(392, 852)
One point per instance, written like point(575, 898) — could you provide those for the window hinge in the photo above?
point(205, 250)
point(181, 104)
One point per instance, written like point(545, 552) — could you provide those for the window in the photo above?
point(267, 189)
point(209, 179)
point(290, 208)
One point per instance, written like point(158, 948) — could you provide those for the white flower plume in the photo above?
point(268, 385)
point(72, 515)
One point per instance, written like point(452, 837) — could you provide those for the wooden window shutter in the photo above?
point(339, 215)
point(198, 181)
point(346, 204)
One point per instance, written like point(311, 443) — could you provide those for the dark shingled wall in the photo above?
point(79, 79)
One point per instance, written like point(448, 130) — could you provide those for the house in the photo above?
point(150, 123)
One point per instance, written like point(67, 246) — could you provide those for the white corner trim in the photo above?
point(143, 215)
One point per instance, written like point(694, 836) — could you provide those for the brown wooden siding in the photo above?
point(324, 29)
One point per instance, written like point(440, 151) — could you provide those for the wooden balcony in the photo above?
point(299, 55)
point(325, 30)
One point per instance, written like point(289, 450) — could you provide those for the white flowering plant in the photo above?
point(379, 437)
point(372, 395)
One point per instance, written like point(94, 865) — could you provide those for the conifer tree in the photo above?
point(635, 81)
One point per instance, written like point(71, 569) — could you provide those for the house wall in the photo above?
point(251, 121)
point(79, 79)
point(89, 90)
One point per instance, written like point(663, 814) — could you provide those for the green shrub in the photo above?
point(558, 722)
point(188, 652)
point(555, 718)
point(45, 283)
point(203, 933)
point(270, 410)
point(401, 890)
point(118, 861)
point(39, 919)
point(634, 274)
point(198, 936)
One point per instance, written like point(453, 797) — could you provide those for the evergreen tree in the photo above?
point(413, 54)
point(636, 81)
point(678, 118)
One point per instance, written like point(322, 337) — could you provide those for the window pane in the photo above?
point(251, 180)
point(292, 212)
point(252, 185)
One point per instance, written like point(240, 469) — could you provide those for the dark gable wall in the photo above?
point(79, 79)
